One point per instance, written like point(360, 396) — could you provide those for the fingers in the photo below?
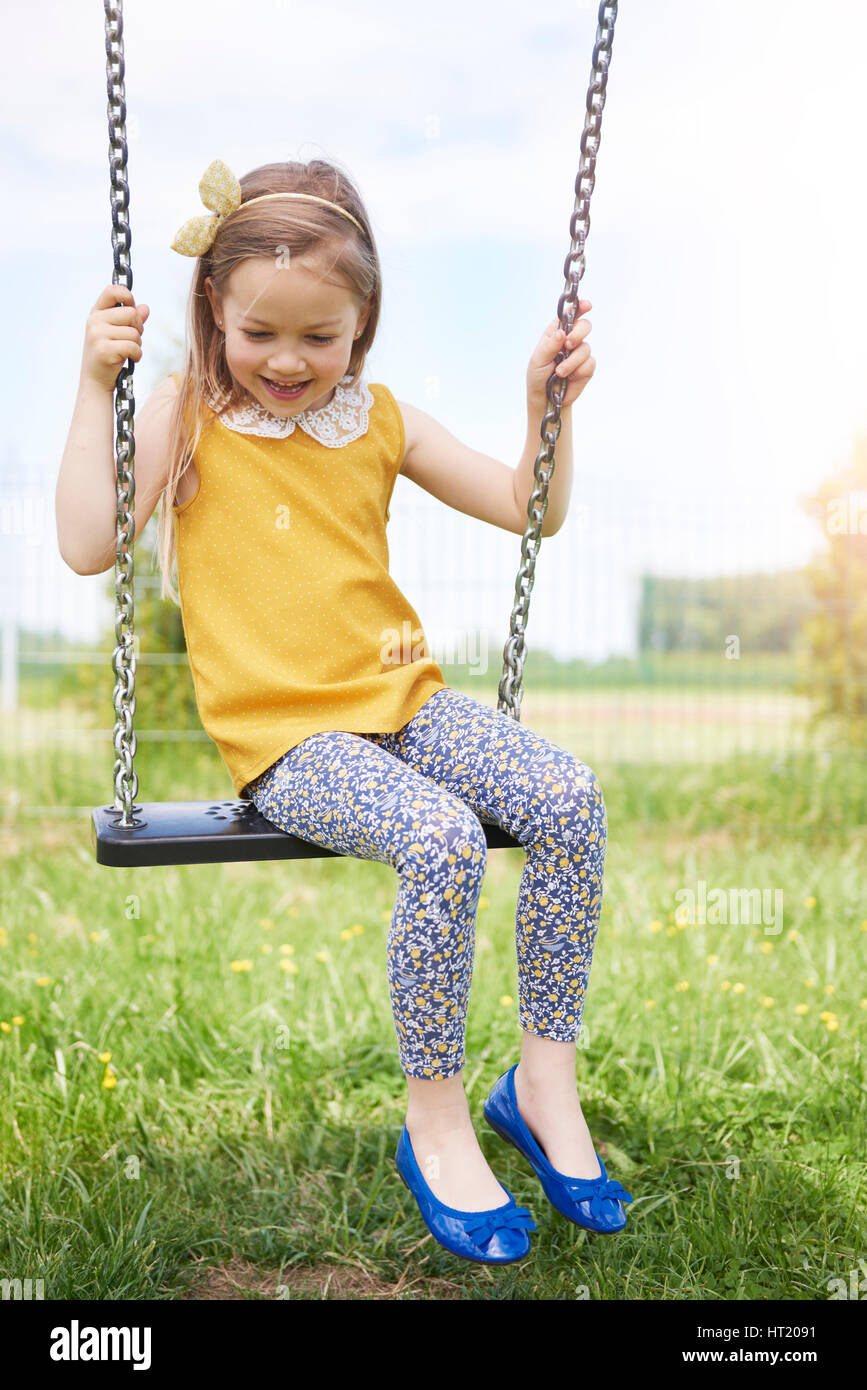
point(580, 350)
point(117, 304)
point(579, 330)
point(578, 363)
point(583, 306)
point(113, 335)
point(575, 360)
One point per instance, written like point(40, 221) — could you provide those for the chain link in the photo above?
point(511, 688)
point(123, 661)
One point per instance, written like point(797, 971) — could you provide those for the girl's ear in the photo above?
point(209, 291)
point(364, 315)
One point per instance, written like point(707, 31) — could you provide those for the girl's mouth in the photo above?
point(285, 392)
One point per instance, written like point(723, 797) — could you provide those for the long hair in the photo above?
point(302, 227)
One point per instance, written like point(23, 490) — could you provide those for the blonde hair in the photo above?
point(305, 228)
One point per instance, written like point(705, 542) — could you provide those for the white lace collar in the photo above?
point(336, 424)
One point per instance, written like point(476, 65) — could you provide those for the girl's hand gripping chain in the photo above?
point(113, 334)
point(578, 367)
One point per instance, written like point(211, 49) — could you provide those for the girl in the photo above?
point(276, 461)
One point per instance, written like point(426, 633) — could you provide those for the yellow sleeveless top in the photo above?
point(292, 622)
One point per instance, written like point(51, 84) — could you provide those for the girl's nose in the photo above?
point(286, 366)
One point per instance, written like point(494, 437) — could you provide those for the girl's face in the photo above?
point(286, 326)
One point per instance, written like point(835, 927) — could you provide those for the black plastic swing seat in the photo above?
point(210, 832)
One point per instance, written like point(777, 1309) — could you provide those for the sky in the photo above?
point(723, 263)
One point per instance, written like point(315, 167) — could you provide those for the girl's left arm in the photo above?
point(483, 487)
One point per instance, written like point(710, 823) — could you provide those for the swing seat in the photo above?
point(211, 832)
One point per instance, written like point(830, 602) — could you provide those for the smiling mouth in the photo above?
point(289, 389)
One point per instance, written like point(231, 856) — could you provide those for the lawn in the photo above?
point(199, 1088)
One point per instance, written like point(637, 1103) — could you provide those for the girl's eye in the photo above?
point(317, 337)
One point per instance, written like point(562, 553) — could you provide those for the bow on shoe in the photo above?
point(595, 1191)
point(492, 1222)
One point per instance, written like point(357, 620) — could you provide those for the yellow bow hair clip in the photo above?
point(221, 192)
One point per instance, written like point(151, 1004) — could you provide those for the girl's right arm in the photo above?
point(86, 493)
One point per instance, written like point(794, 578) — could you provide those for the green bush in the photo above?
point(833, 650)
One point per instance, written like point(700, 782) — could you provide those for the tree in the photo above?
point(833, 649)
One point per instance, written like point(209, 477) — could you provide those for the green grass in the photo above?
point(246, 1147)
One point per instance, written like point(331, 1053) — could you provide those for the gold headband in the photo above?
point(221, 192)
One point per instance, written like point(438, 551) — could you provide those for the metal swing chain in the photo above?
point(511, 688)
point(123, 661)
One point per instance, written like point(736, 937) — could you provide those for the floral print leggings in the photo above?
point(416, 799)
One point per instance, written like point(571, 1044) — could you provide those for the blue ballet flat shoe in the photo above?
point(495, 1237)
point(595, 1203)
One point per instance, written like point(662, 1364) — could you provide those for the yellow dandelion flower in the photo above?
point(682, 985)
point(266, 948)
point(713, 960)
point(810, 982)
point(358, 930)
point(802, 1008)
point(4, 1026)
point(386, 916)
point(650, 1003)
point(104, 1056)
point(864, 924)
point(483, 901)
point(322, 955)
point(505, 1000)
point(266, 923)
point(832, 1025)
point(829, 1013)
point(19, 1018)
point(809, 902)
point(766, 948)
point(32, 937)
point(655, 926)
point(31, 951)
point(738, 988)
point(681, 916)
point(43, 980)
point(239, 965)
point(725, 984)
point(289, 965)
point(862, 1005)
point(671, 931)
point(793, 935)
point(346, 934)
point(4, 937)
point(95, 935)
point(287, 950)
point(830, 989)
point(109, 1079)
point(767, 1001)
